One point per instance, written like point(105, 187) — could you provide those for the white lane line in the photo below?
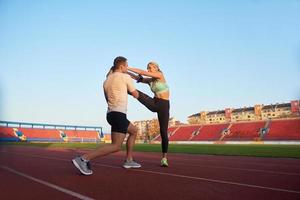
point(239, 169)
point(220, 181)
point(210, 166)
point(56, 187)
point(182, 176)
point(206, 179)
point(228, 168)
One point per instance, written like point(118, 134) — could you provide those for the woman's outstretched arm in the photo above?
point(157, 75)
point(133, 76)
point(139, 77)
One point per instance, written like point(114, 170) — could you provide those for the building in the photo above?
point(148, 129)
point(255, 113)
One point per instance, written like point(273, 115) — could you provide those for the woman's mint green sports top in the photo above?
point(158, 87)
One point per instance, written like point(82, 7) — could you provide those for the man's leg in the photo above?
point(132, 130)
point(130, 163)
point(117, 140)
point(82, 163)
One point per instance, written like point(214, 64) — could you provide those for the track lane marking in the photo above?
point(209, 166)
point(179, 176)
point(50, 185)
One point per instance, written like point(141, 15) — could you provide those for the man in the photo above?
point(116, 87)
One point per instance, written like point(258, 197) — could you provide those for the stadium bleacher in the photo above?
point(285, 129)
point(210, 132)
point(244, 131)
point(14, 131)
point(271, 130)
point(184, 133)
point(7, 134)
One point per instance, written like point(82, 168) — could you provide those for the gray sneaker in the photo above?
point(84, 167)
point(131, 164)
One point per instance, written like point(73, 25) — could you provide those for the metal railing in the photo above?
point(48, 126)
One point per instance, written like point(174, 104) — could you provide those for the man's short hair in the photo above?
point(118, 61)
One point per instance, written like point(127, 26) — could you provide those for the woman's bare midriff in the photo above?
point(163, 95)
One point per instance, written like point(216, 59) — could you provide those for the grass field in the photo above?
point(261, 150)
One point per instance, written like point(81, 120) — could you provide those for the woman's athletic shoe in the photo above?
point(164, 162)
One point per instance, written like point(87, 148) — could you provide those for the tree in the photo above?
point(193, 120)
point(153, 128)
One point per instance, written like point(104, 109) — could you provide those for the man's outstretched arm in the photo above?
point(134, 93)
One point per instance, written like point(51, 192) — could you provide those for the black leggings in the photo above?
point(162, 108)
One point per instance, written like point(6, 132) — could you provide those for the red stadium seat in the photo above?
point(284, 130)
point(211, 132)
point(247, 131)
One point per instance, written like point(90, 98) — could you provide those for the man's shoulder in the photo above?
point(117, 76)
point(127, 76)
point(124, 76)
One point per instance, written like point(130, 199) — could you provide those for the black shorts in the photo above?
point(118, 121)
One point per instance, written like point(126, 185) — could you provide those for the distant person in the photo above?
point(159, 104)
point(116, 86)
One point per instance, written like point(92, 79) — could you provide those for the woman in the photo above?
point(159, 104)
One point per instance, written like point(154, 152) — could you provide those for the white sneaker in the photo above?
point(131, 164)
point(83, 167)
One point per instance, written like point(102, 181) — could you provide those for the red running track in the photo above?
point(38, 173)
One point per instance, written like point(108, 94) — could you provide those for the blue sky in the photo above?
point(215, 54)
